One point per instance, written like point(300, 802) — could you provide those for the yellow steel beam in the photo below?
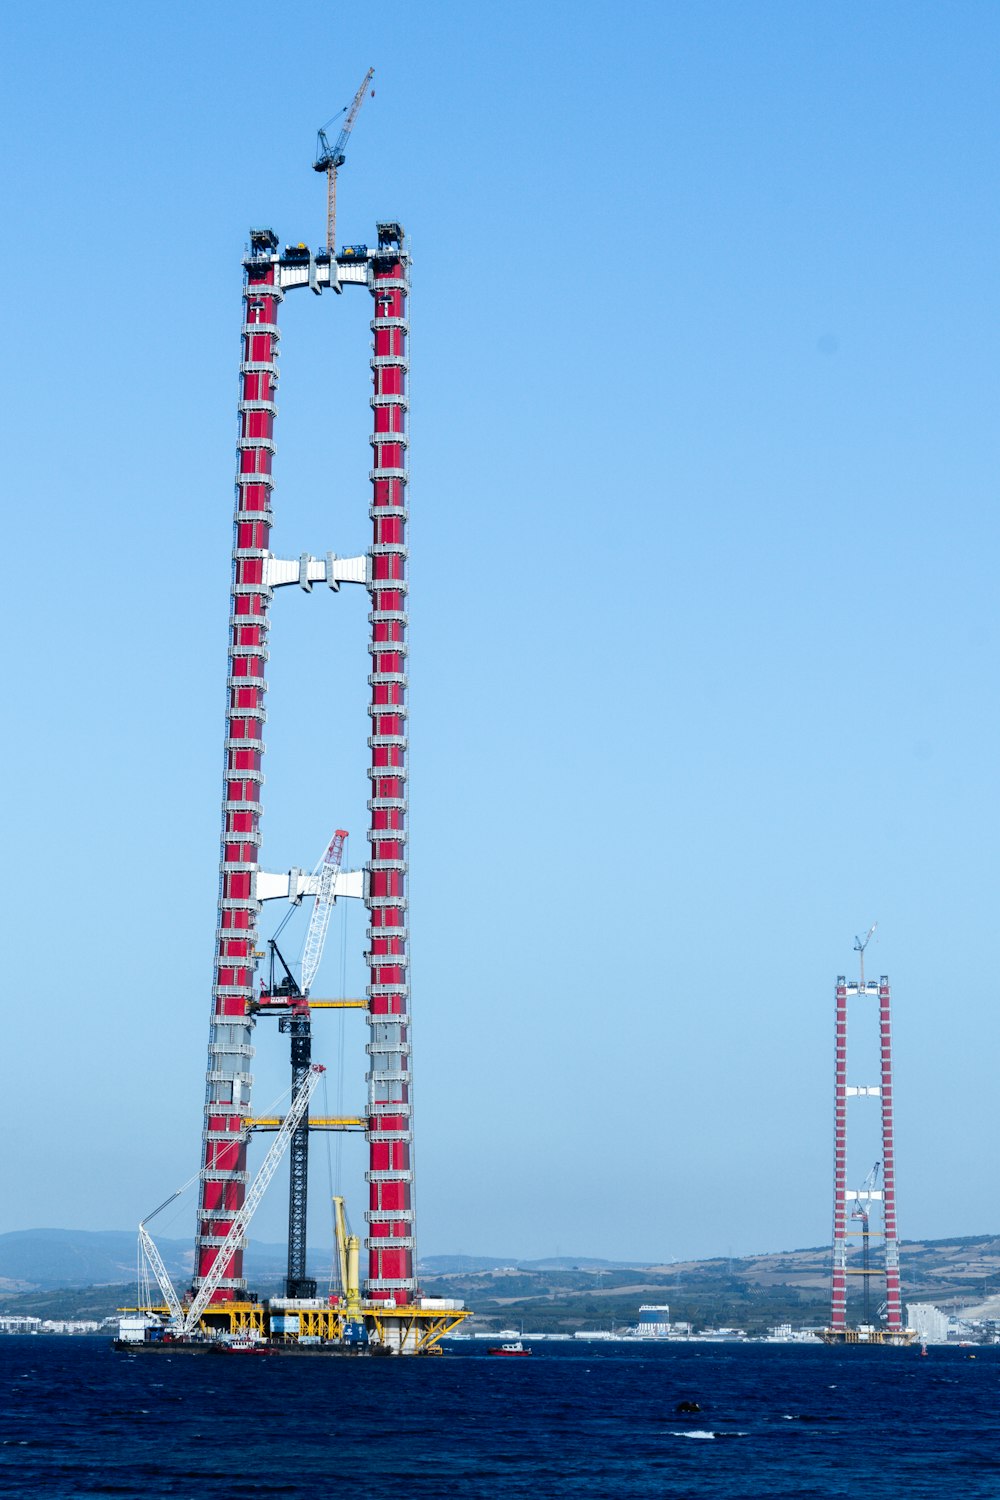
point(281, 1007)
point(440, 1327)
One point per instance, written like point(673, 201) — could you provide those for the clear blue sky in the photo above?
point(704, 635)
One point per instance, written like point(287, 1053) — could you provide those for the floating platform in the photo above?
point(190, 1345)
point(297, 1326)
point(900, 1338)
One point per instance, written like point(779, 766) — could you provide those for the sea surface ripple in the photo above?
point(580, 1420)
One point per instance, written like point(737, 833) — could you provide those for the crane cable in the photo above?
point(284, 921)
point(335, 1177)
point(340, 1045)
point(329, 1184)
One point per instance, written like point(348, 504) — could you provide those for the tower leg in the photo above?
point(230, 1048)
point(892, 1293)
point(390, 1239)
point(838, 1313)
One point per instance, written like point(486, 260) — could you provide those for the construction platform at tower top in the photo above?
point(388, 1312)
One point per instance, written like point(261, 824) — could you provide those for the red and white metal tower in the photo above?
point(243, 885)
point(847, 1201)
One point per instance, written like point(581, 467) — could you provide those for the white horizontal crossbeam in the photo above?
point(863, 1091)
point(306, 570)
point(292, 885)
point(309, 274)
point(865, 1195)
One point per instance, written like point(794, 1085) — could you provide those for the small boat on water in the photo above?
point(242, 1343)
point(515, 1349)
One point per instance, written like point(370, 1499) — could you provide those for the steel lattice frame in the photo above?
point(297, 1282)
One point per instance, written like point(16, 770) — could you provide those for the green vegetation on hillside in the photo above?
point(754, 1292)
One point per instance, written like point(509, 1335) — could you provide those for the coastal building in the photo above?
point(654, 1321)
point(9, 1323)
point(930, 1323)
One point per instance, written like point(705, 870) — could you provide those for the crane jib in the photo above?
point(188, 1321)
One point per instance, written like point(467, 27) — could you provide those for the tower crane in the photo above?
point(291, 992)
point(293, 1011)
point(329, 158)
point(299, 1026)
point(860, 944)
point(862, 1210)
point(187, 1321)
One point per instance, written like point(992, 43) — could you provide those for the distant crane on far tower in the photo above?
point(860, 944)
point(329, 158)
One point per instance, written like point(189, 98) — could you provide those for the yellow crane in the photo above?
point(329, 158)
point(349, 1255)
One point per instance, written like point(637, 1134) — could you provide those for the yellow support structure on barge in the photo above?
point(409, 1329)
point(900, 1337)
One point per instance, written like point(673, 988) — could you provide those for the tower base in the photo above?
point(900, 1337)
point(299, 1325)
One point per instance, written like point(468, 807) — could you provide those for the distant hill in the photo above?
point(752, 1292)
point(43, 1259)
point(66, 1273)
point(446, 1265)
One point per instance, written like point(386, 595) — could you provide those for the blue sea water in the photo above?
point(78, 1419)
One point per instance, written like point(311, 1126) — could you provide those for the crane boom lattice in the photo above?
point(155, 1259)
point(319, 921)
point(256, 1192)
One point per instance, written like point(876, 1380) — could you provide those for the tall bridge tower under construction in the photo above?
point(388, 1309)
point(876, 1193)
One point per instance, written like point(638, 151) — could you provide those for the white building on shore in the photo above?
point(12, 1323)
point(929, 1321)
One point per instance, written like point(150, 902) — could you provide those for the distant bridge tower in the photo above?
point(846, 1201)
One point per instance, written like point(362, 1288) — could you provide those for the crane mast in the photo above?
point(860, 944)
point(299, 1027)
point(329, 158)
point(862, 1210)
